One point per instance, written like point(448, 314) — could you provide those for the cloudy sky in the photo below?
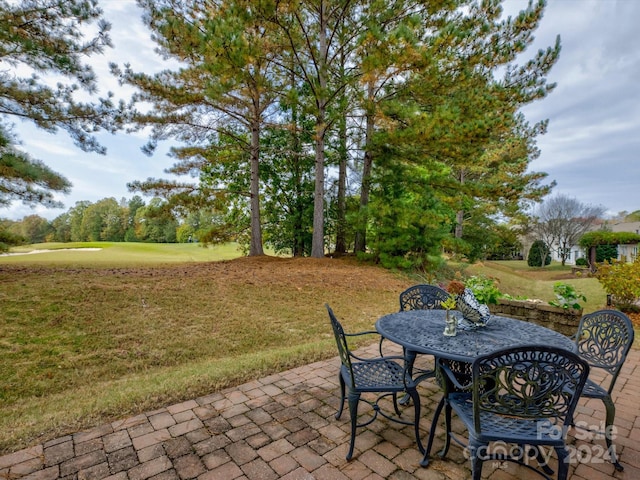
point(591, 149)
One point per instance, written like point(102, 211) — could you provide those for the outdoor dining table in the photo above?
point(421, 332)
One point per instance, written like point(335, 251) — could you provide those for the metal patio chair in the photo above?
point(382, 375)
point(457, 379)
point(603, 339)
point(524, 396)
point(421, 297)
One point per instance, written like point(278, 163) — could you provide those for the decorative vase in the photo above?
point(451, 325)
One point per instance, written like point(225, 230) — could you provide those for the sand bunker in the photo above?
point(56, 250)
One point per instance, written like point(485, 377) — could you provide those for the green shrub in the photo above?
point(621, 280)
point(581, 262)
point(567, 296)
point(484, 289)
point(537, 252)
point(606, 253)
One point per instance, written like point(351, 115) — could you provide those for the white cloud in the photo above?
point(594, 113)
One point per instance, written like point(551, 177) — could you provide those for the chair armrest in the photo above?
point(368, 332)
point(451, 376)
point(381, 358)
point(399, 360)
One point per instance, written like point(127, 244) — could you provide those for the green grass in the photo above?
point(119, 254)
point(90, 337)
point(519, 280)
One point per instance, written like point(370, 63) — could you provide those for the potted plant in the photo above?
point(451, 327)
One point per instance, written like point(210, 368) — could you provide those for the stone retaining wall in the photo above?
point(555, 318)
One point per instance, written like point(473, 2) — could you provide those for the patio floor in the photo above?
point(283, 426)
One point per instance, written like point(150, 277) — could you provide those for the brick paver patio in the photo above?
point(283, 426)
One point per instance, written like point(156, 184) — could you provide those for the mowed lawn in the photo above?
point(90, 336)
point(92, 254)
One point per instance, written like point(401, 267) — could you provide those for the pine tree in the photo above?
point(45, 37)
point(218, 97)
point(454, 112)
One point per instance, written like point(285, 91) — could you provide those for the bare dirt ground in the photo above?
point(635, 318)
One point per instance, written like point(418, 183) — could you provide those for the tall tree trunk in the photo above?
point(341, 226)
point(296, 152)
point(459, 222)
point(459, 213)
point(317, 241)
point(361, 230)
point(255, 245)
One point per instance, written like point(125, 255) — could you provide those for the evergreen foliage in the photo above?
point(539, 255)
point(605, 253)
point(46, 37)
point(379, 84)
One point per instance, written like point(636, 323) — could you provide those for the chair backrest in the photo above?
point(423, 297)
point(341, 341)
point(604, 338)
point(531, 382)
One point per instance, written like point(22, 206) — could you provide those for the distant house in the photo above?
point(628, 252)
point(575, 253)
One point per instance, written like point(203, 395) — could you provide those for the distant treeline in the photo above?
point(107, 220)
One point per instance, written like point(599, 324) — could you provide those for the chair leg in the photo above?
point(477, 452)
point(432, 433)
point(395, 403)
point(353, 399)
point(563, 462)
point(416, 402)
point(542, 462)
point(342, 387)
point(610, 416)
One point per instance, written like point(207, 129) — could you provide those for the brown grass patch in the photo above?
point(95, 332)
